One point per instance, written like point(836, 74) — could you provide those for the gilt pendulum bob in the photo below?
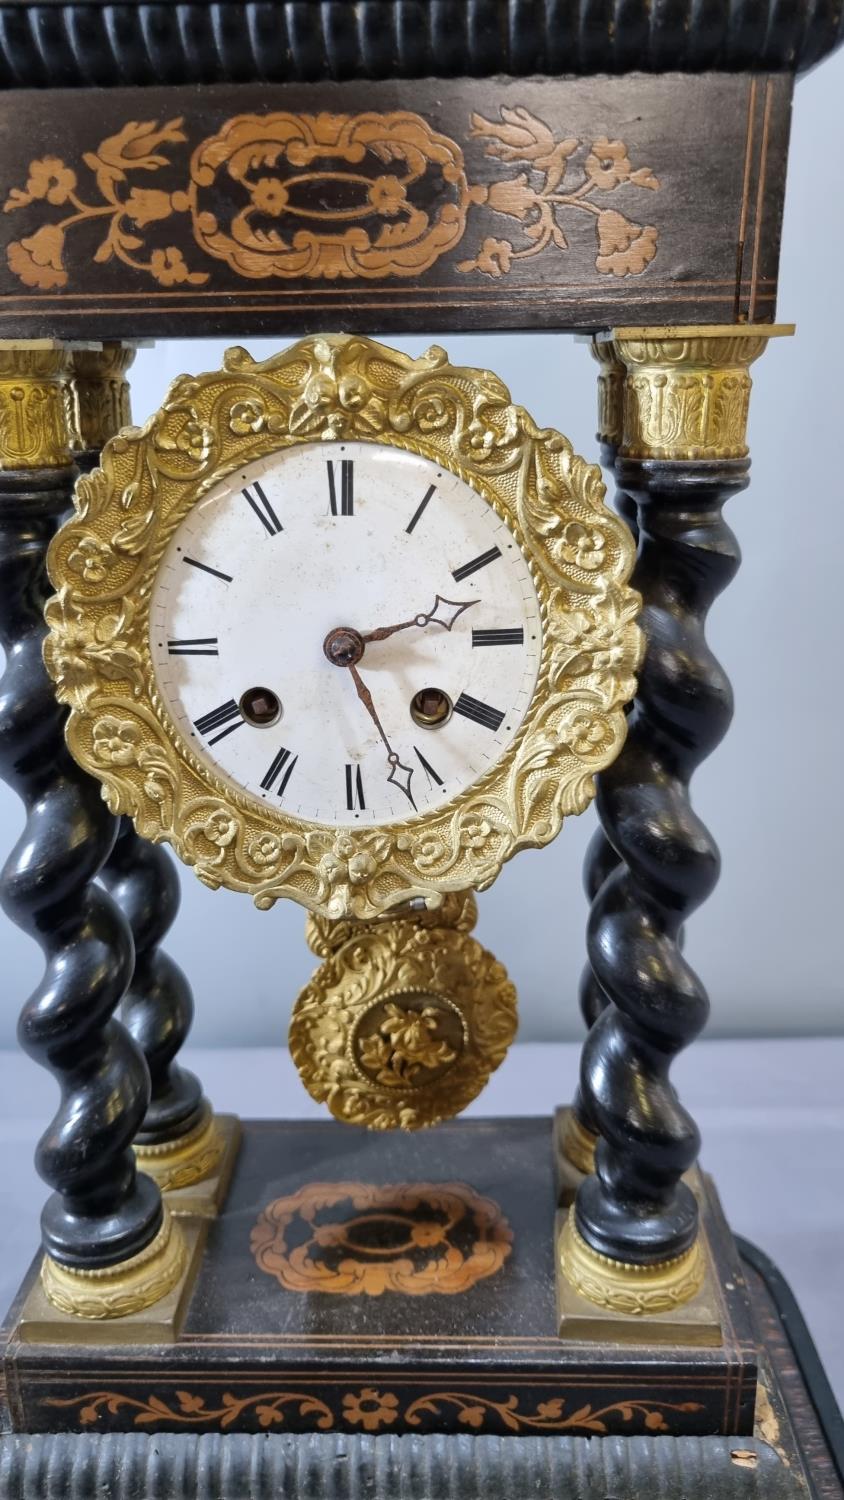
point(406, 1019)
point(348, 627)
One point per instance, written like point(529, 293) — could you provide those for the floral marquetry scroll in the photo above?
point(327, 388)
point(304, 196)
point(356, 1238)
point(374, 1409)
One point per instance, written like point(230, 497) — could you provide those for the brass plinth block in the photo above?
point(685, 392)
point(402, 1026)
point(675, 1301)
point(194, 1170)
point(573, 1149)
point(158, 1322)
point(34, 421)
point(459, 910)
point(118, 1291)
point(98, 394)
point(578, 1144)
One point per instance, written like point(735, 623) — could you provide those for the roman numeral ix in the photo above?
point(282, 767)
point(204, 645)
point(263, 510)
point(477, 562)
point(515, 637)
point(480, 713)
point(347, 487)
point(227, 714)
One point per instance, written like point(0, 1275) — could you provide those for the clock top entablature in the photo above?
point(289, 168)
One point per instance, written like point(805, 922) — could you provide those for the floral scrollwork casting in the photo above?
point(104, 559)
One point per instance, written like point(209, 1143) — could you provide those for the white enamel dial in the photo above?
point(355, 537)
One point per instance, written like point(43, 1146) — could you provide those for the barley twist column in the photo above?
point(178, 1143)
point(631, 1241)
point(579, 1136)
point(109, 1246)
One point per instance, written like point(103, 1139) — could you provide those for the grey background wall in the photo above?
point(769, 942)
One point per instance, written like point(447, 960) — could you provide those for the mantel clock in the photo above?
point(348, 628)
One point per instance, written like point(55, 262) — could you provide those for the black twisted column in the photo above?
point(579, 1136)
point(631, 1242)
point(178, 1143)
point(109, 1246)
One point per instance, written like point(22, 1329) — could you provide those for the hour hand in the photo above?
point(443, 612)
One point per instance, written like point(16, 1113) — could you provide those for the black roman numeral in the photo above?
point(204, 645)
point(354, 789)
point(228, 714)
point(477, 562)
point(263, 510)
point(420, 509)
point(481, 713)
point(215, 572)
point(282, 766)
point(428, 768)
point(514, 637)
point(347, 487)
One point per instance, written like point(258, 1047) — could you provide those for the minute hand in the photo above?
point(452, 610)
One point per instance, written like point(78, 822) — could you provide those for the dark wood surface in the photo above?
point(93, 42)
point(445, 1333)
point(474, 204)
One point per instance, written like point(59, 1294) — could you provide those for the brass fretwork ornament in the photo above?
point(402, 1025)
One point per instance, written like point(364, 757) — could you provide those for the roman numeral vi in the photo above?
point(346, 505)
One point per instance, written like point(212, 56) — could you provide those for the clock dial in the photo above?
point(347, 631)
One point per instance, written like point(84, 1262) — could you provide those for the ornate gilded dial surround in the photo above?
point(103, 564)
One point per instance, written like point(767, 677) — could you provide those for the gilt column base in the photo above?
point(194, 1170)
point(139, 1301)
point(610, 1301)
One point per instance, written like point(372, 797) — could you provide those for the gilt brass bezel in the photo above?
point(103, 564)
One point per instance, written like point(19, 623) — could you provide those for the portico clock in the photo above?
point(343, 626)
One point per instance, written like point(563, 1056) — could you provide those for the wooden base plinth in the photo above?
point(383, 1284)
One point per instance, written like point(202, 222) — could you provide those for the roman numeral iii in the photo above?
point(204, 645)
point(515, 637)
point(480, 713)
point(228, 714)
point(263, 510)
point(341, 496)
point(282, 766)
point(354, 789)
